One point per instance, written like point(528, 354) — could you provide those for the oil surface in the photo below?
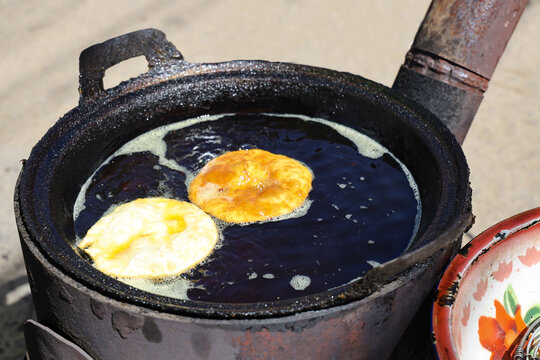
point(363, 208)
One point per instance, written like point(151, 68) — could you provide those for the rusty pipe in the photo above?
point(454, 55)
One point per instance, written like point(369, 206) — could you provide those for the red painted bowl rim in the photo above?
point(457, 270)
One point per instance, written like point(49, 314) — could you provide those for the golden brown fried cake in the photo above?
point(250, 185)
point(150, 238)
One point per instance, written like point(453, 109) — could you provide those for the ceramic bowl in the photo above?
point(490, 292)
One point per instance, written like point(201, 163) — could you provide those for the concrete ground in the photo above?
point(40, 44)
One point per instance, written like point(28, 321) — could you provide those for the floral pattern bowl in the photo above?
point(490, 292)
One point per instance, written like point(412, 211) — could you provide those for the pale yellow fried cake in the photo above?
point(250, 185)
point(150, 238)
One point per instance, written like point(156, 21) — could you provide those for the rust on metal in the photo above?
point(443, 70)
point(454, 55)
point(332, 337)
point(470, 33)
point(448, 298)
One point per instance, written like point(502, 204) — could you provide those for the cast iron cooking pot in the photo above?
point(111, 320)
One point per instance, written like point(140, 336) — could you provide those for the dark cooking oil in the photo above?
point(363, 208)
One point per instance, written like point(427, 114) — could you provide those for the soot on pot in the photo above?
point(363, 208)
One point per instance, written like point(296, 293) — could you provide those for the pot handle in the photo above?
point(152, 43)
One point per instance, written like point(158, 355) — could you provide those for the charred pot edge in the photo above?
point(393, 267)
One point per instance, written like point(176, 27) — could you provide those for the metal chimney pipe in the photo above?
point(454, 55)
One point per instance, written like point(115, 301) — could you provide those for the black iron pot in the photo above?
point(345, 322)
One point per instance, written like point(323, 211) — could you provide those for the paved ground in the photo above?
point(40, 43)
